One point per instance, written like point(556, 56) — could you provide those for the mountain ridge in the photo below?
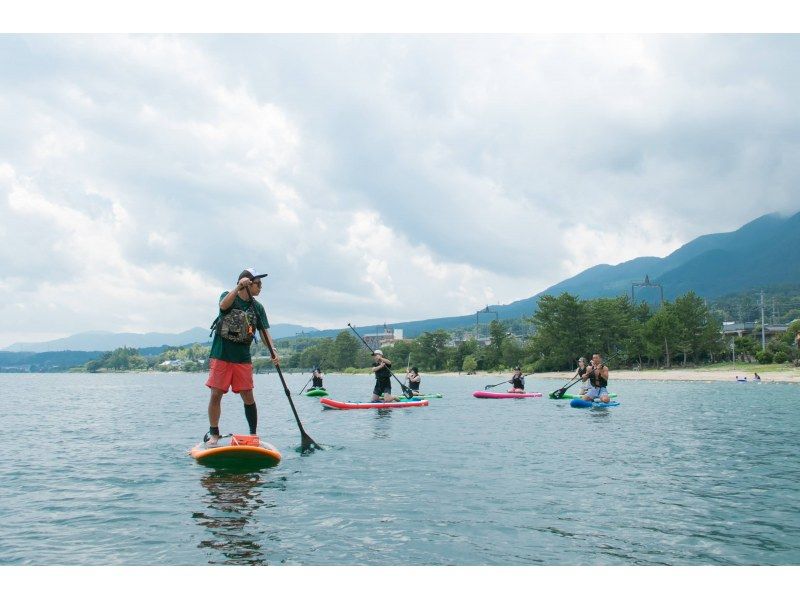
point(760, 253)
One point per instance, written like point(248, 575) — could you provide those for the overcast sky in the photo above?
point(375, 178)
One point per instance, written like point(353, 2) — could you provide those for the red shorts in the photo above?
point(224, 375)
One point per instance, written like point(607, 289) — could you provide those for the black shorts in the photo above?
point(382, 387)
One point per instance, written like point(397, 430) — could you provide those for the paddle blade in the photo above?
point(307, 444)
point(559, 393)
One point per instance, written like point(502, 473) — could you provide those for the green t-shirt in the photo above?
point(237, 352)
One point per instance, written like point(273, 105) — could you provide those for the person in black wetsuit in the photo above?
point(517, 381)
point(316, 378)
point(413, 377)
point(597, 375)
point(382, 393)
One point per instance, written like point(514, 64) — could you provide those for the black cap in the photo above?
point(251, 273)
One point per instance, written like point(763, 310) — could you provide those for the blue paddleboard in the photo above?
point(581, 404)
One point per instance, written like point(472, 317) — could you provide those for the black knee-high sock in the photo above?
point(251, 413)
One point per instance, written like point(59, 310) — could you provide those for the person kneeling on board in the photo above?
point(316, 378)
point(517, 381)
point(597, 375)
point(382, 393)
point(413, 377)
point(231, 367)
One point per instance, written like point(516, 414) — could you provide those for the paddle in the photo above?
point(306, 384)
point(406, 390)
point(488, 386)
point(306, 442)
point(557, 394)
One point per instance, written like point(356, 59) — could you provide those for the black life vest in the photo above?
point(597, 380)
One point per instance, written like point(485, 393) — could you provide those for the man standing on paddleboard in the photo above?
point(231, 367)
point(382, 393)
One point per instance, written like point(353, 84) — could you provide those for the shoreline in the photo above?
point(672, 375)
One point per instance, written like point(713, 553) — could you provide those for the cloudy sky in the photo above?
point(376, 178)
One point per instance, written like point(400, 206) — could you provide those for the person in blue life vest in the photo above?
point(382, 393)
point(230, 364)
point(597, 374)
point(414, 379)
point(517, 381)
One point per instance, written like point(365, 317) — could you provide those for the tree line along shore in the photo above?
point(683, 333)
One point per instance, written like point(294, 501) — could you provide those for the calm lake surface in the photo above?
point(96, 471)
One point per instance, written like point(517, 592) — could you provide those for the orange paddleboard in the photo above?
point(238, 450)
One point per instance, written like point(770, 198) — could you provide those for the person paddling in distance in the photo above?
point(316, 378)
point(231, 367)
point(597, 375)
point(413, 377)
point(579, 372)
point(382, 393)
point(517, 381)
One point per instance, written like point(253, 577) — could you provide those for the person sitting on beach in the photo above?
point(316, 378)
point(756, 376)
point(517, 381)
point(413, 377)
point(597, 374)
point(580, 371)
point(382, 393)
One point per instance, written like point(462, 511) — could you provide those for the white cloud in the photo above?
point(375, 177)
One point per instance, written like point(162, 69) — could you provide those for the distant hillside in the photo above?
point(762, 253)
point(108, 341)
point(53, 360)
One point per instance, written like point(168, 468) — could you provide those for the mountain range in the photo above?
point(762, 253)
point(107, 341)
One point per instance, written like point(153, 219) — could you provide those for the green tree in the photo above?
point(561, 331)
point(698, 330)
point(470, 364)
point(345, 350)
point(661, 334)
point(431, 350)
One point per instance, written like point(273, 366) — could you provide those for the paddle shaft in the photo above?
point(406, 390)
point(487, 387)
point(306, 442)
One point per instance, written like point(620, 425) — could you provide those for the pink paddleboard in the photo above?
point(485, 394)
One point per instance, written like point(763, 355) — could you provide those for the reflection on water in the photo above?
point(232, 502)
point(383, 424)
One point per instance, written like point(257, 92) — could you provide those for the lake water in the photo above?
point(96, 471)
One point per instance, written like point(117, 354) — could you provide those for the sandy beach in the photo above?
point(675, 374)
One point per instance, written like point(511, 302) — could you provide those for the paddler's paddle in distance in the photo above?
point(406, 390)
point(488, 386)
point(304, 385)
point(557, 394)
point(306, 442)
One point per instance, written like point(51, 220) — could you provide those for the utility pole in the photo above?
point(763, 332)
